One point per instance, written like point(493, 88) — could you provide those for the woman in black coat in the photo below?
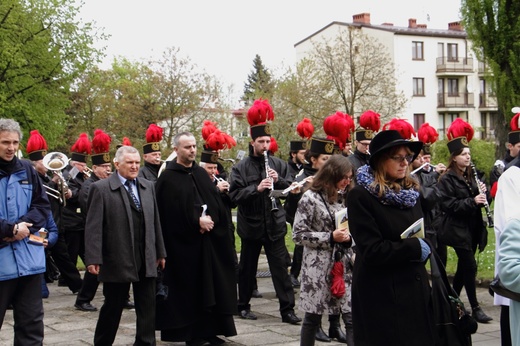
point(390, 287)
point(462, 226)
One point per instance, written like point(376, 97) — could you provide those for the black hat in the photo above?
point(321, 146)
point(208, 156)
point(364, 135)
point(457, 144)
point(388, 139)
point(260, 130)
point(513, 137)
point(298, 145)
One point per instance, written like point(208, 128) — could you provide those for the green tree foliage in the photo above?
point(42, 49)
point(493, 26)
point(259, 83)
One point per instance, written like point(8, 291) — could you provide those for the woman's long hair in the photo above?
point(408, 182)
point(452, 166)
point(332, 172)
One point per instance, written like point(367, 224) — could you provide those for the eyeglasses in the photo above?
point(348, 177)
point(400, 159)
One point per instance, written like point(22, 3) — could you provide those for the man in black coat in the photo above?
point(200, 271)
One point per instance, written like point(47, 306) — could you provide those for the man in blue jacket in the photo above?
point(23, 211)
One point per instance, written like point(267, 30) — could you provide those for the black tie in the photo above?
point(128, 184)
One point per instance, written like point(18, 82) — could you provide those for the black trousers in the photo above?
point(116, 295)
point(25, 294)
point(68, 270)
point(276, 253)
point(88, 289)
point(75, 245)
point(466, 274)
point(297, 258)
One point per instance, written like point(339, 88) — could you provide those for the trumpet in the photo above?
point(87, 172)
point(486, 204)
point(273, 199)
point(56, 162)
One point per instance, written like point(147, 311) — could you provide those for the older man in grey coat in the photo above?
point(124, 244)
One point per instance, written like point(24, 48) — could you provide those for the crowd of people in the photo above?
point(161, 239)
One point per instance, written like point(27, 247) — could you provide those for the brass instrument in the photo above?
point(87, 172)
point(486, 204)
point(273, 199)
point(56, 162)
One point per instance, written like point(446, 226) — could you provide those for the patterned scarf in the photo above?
point(402, 199)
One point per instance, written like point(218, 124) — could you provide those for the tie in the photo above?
point(129, 184)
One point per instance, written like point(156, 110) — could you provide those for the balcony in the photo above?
point(450, 66)
point(487, 101)
point(461, 100)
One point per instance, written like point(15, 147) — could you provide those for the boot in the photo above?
point(480, 316)
point(310, 326)
point(321, 336)
point(347, 319)
point(335, 331)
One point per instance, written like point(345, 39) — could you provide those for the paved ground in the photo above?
point(66, 326)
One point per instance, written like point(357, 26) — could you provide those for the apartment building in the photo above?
point(435, 68)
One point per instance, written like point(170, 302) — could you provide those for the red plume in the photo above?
point(260, 112)
point(126, 141)
point(154, 133)
point(515, 122)
point(36, 142)
point(101, 142)
point(459, 128)
point(402, 126)
point(216, 140)
point(335, 127)
point(208, 128)
point(350, 125)
point(82, 145)
point(427, 134)
point(273, 147)
point(370, 120)
point(305, 128)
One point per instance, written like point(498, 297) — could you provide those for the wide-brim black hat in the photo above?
point(387, 139)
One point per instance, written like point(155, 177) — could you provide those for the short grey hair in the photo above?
point(125, 149)
point(178, 136)
point(10, 125)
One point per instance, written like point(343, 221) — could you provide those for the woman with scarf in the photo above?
point(390, 285)
point(315, 229)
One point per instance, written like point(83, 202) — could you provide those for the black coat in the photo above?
point(390, 286)
point(291, 202)
point(255, 219)
point(72, 218)
point(358, 159)
point(200, 269)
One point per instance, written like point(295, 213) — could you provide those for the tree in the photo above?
point(494, 28)
point(259, 82)
point(42, 49)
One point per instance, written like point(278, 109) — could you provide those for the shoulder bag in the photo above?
point(498, 287)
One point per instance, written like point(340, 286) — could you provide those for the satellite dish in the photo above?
point(515, 110)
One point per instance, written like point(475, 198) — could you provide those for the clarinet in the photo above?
point(273, 200)
point(486, 205)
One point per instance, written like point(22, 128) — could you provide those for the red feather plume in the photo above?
point(402, 126)
point(459, 128)
point(126, 141)
point(36, 142)
point(305, 128)
point(351, 126)
point(101, 142)
point(273, 147)
point(427, 134)
point(208, 127)
point(260, 112)
point(515, 122)
point(154, 133)
point(82, 145)
point(335, 126)
point(370, 120)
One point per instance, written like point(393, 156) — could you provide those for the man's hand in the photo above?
point(161, 262)
point(206, 223)
point(273, 175)
point(20, 231)
point(265, 184)
point(93, 269)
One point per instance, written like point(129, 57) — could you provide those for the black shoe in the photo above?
point(294, 281)
point(321, 336)
point(291, 318)
point(480, 316)
point(85, 307)
point(62, 283)
point(196, 342)
point(129, 305)
point(247, 315)
point(256, 294)
point(215, 340)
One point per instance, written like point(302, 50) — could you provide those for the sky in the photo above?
point(222, 37)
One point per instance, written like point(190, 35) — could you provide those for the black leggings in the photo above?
point(466, 274)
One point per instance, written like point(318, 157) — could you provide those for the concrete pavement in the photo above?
point(64, 325)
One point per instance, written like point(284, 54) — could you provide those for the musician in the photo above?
point(370, 124)
point(461, 200)
point(260, 219)
point(152, 153)
point(296, 157)
point(69, 273)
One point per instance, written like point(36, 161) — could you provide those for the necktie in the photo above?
point(129, 184)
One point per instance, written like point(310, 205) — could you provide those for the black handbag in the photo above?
point(453, 324)
point(499, 288)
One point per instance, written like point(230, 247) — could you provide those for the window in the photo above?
point(418, 120)
point(417, 50)
point(418, 87)
point(453, 52)
point(453, 87)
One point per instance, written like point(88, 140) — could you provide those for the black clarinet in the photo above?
point(486, 204)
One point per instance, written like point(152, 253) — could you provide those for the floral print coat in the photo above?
point(312, 228)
